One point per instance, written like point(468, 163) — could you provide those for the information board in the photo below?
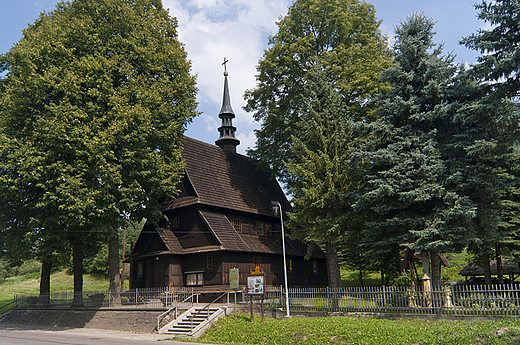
point(233, 278)
point(255, 285)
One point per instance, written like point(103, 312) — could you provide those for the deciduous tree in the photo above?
point(344, 37)
point(321, 172)
point(93, 101)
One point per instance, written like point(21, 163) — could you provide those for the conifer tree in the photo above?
point(499, 47)
point(410, 187)
point(495, 113)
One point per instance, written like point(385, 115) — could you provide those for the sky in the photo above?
point(238, 30)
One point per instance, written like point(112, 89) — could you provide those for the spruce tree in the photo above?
point(410, 187)
point(495, 137)
point(499, 47)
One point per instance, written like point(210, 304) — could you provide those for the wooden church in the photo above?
point(221, 219)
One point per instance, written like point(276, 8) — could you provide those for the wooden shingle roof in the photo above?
point(508, 267)
point(224, 231)
point(231, 181)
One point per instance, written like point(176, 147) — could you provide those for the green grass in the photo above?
point(60, 281)
point(237, 329)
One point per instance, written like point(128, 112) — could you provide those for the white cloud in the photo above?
point(247, 141)
point(235, 29)
point(210, 122)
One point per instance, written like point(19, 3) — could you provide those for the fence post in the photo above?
point(384, 298)
point(328, 300)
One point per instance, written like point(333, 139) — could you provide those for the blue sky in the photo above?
point(238, 30)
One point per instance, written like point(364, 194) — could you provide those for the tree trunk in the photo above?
point(425, 261)
point(45, 281)
point(435, 270)
point(333, 274)
point(382, 276)
point(77, 267)
point(333, 265)
point(500, 270)
point(45, 277)
point(113, 270)
point(487, 268)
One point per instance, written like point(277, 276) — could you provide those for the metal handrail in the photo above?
point(163, 315)
point(4, 308)
point(207, 306)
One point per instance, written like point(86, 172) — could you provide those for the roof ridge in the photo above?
point(217, 147)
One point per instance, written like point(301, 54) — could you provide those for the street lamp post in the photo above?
point(275, 205)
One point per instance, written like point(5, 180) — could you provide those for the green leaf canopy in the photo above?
point(93, 101)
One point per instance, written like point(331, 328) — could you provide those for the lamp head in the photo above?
point(274, 207)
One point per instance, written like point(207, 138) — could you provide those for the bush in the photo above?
point(404, 279)
point(30, 266)
point(8, 269)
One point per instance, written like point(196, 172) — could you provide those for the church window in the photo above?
point(175, 222)
point(193, 279)
point(263, 229)
point(260, 229)
point(140, 269)
point(237, 223)
point(209, 262)
point(267, 229)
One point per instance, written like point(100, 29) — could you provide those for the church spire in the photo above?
point(227, 140)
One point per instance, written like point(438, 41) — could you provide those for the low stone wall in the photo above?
point(140, 321)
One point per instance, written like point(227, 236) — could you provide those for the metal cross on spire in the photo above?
point(224, 63)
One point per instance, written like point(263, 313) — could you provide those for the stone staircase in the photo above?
point(194, 321)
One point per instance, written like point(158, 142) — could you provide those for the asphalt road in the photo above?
point(28, 335)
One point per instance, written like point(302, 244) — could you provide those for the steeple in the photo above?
point(227, 140)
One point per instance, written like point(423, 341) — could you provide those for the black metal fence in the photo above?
point(485, 300)
point(146, 298)
point(452, 299)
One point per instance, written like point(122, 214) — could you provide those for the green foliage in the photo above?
point(491, 142)
point(98, 263)
point(237, 329)
point(410, 187)
point(93, 102)
point(510, 202)
point(499, 47)
point(343, 36)
point(27, 267)
point(404, 279)
point(322, 173)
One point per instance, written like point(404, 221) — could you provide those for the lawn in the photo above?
point(237, 329)
point(60, 281)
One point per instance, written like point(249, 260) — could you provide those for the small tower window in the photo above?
point(209, 262)
point(175, 222)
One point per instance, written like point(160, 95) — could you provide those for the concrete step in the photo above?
point(191, 321)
